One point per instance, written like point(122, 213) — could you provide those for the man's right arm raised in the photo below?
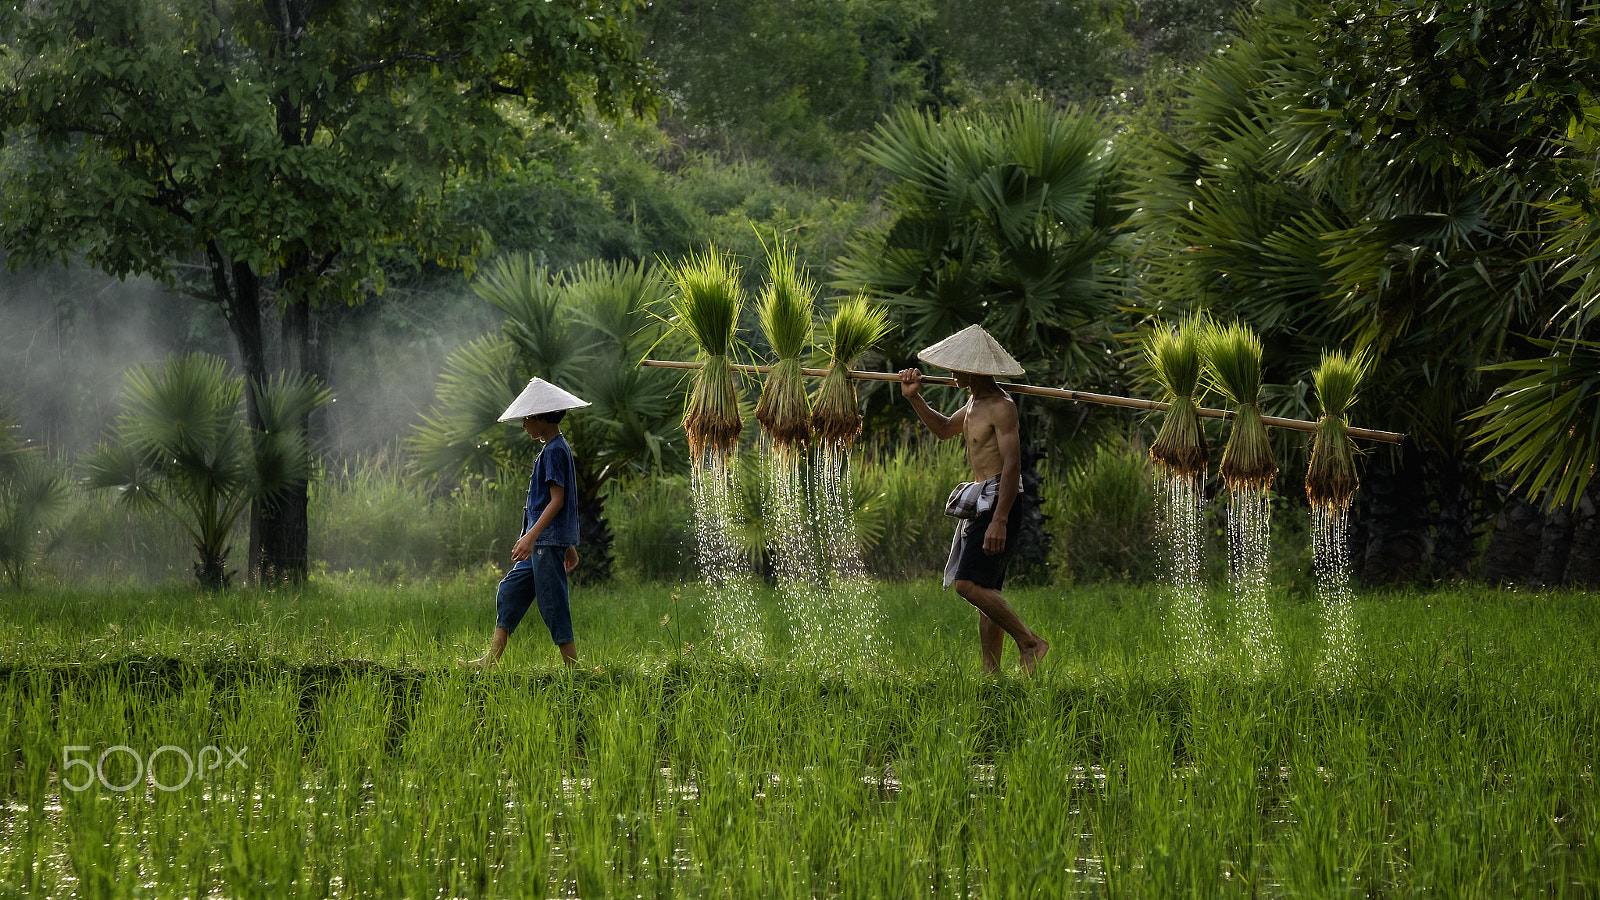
point(943, 427)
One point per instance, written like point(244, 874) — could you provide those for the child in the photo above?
point(547, 549)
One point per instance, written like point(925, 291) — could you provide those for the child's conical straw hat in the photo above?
point(540, 397)
point(974, 351)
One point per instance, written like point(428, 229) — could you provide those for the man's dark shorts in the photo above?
point(542, 578)
point(979, 567)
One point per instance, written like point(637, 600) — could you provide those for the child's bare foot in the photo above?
point(1032, 653)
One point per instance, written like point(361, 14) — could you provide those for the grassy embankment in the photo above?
point(1459, 759)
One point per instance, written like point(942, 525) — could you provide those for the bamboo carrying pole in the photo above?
point(1389, 437)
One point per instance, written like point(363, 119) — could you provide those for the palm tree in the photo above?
point(34, 495)
point(586, 330)
point(181, 447)
point(1344, 178)
point(1003, 221)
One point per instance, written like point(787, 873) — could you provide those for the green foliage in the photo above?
point(1102, 516)
point(653, 526)
point(1003, 221)
point(586, 331)
point(181, 447)
point(370, 520)
point(1542, 429)
point(792, 78)
point(263, 133)
point(35, 497)
point(904, 491)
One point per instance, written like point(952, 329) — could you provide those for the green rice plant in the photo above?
point(786, 306)
point(1173, 357)
point(857, 326)
point(1231, 360)
point(1458, 762)
point(706, 305)
point(1331, 478)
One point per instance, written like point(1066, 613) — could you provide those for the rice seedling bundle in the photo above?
point(787, 301)
point(856, 327)
point(1173, 356)
point(707, 305)
point(1331, 479)
point(1231, 357)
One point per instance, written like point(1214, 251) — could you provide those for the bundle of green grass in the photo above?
point(787, 302)
point(1231, 356)
point(1173, 356)
point(1331, 479)
point(856, 327)
point(706, 303)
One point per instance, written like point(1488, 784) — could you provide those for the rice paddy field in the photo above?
point(325, 744)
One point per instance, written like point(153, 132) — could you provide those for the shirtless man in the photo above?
point(988, 422)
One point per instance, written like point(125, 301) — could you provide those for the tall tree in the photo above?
point(280, 150)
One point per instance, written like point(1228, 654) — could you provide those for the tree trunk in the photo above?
point(1583, 565)
point(236, 289)
point(283, 524)
point(1515, 542)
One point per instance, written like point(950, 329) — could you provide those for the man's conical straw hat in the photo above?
point(971, 350)
point(538, 397)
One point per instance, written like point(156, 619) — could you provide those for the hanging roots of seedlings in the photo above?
point(856, 327)
point(783, 411)
point(712, 419)
point(1181, 445)
point(1247, 462)
point(1231, 357)
point(1174, 359)
point(1331, 479)
point(787, 301)
point(707, 306)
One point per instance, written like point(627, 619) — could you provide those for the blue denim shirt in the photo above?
point(554, 466)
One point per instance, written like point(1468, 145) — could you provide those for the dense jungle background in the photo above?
point(1409, 179)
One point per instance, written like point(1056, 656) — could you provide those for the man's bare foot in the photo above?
point(482, 662)
point(1032, 653)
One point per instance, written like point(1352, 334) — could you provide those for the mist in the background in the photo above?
point(68, 336)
